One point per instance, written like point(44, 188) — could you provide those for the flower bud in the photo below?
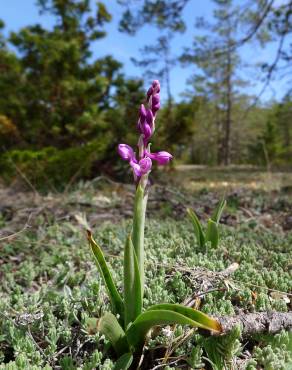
point(156, 86)
point(149, 117)
point(142, 111)
point(146, 130)
point(149, 93)
point(155, 99)
point(155, 108)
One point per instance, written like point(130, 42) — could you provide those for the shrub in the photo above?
point(51, 167)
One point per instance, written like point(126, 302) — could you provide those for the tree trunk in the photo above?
point(228, 109)
point(220, 142)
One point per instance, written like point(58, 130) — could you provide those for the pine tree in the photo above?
point(11, 104)
point(217, 59)
point(64, 90)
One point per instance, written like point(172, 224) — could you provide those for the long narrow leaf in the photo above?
point(109, 326)
point(167, 314)
point(218, 211)
point(132, 284)
point(203, 321)
point(115, 298)
point(197, 227)
point(212, 234)
point(140, 204)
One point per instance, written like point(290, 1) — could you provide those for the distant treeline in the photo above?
point(62, 112)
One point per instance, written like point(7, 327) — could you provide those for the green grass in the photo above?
point(50, 286)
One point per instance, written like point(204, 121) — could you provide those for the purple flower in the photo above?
point(161, 157)
point(126, 152)
point(142, 167)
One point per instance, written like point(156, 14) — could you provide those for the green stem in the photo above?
point(140, 205)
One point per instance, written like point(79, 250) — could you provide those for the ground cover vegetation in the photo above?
point(69, 321)
point(51, 287)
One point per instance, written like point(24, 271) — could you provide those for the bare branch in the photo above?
point(257, 323)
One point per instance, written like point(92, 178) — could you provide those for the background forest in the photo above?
point(63, 111)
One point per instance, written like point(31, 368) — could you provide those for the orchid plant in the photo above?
point(127, 325)
point(212, 230)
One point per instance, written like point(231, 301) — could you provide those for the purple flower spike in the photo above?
point(146, 126)
point(161, 157)
point(126, 152)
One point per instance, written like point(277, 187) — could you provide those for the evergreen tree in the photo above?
point(65, 92)
point(11, 103)
point(164, 14)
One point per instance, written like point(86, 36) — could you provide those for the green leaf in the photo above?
point(124, 362)
point(140, 204)
point(197, 227)
point(203, 321)
point(167, 314)
point(212, 233)
point(218, 211)
point(112, 330)
point(115, 298)
point(132, 284)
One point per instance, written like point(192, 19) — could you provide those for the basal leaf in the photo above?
point(124, 362)
point(197, 227)
point(132, 284)
point(115, 298)
point(212, 234)
point(218, 211)
point(112, 330)
point(167, 314)
point(203, 321)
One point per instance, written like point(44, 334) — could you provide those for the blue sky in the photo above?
point(19, 13)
